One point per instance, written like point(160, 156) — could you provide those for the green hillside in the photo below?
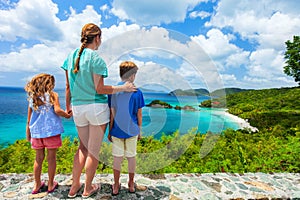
point(264, 108)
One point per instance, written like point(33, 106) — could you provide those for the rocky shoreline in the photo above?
point(219, 186)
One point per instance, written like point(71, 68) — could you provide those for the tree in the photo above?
point(292, 56)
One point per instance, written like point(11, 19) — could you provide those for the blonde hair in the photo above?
point(88, 33)
point(38, 86)
point(127, 68)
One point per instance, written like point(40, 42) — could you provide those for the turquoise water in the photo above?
point(156, 121)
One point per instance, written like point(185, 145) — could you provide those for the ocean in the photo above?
point(156, 121)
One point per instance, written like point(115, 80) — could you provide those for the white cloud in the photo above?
point(216, 44)
point(266, 64)
point(32, 19)
point(49, 54)
point(201, 14)
point(265, 23)
point(237, 59)
point(153, 12)
point(269, 23)
point(37, 58)
point(104, 8)
point(229, 79)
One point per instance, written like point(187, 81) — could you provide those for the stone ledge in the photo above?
point(210, 186)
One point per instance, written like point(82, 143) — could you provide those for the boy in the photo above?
point(125, 126)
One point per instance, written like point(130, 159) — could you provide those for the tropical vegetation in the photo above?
point(292, 56)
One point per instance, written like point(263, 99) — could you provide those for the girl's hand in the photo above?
point(28, 138)
point(130, 87)
point(28, 135)
point(69, 114)
point(109, 137)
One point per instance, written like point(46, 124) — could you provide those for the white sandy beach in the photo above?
point(242, 123)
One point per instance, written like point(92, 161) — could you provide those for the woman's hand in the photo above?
point(69, 114)
point(129, 87)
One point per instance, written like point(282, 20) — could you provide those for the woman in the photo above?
point(85, 90)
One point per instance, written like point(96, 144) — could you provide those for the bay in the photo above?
point(156, 121)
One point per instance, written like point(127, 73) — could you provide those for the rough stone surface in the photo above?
point(219, 186)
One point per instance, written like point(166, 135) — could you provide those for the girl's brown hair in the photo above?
point(88, 33)
point(38, 86)
point(127, 68)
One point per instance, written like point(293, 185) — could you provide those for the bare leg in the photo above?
point(131, 171)
point(37, 167)
point(51, 158)
point(96, 134)
point(117, 171)
point(79, 159)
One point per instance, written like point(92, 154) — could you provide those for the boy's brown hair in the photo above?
point(127, 68)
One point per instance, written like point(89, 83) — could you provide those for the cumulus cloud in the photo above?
point(270, 23)
point(266, 63)
point(266, 24)
point(48, 54)
point(221, 50)
point(153, 12)
point(32, 19)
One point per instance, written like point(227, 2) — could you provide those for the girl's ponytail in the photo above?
point(84, 42)
point(89, 31)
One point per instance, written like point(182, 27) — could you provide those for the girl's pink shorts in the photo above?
point(50, 142)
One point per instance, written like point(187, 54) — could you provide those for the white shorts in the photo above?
point(91, 114)
point(124, 147)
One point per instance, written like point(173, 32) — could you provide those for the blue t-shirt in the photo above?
point(126, 105)
point(44, 122)
point(82, 83)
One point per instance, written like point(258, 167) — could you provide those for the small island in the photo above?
point(162, 104)
point(159, 104)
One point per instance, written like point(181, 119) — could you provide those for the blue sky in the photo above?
point(176, 44)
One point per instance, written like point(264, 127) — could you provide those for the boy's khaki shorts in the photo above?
point(124, 147)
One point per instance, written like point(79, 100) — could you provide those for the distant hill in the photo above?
point(190, 92)
point(227, 91)
point(205, 92)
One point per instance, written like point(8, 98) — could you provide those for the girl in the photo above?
point(44, 127)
